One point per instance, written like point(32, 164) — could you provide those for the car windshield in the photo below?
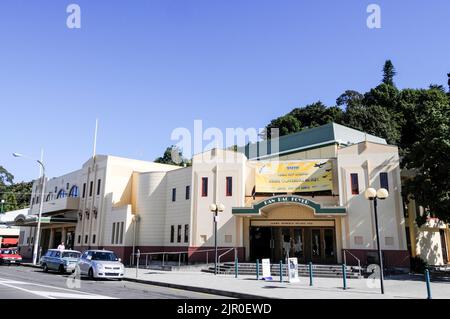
point(9, 252)
point(108, 256)
point(71, 254)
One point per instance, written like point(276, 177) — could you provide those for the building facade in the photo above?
point(303, 198)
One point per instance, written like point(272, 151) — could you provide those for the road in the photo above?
point(18, 282)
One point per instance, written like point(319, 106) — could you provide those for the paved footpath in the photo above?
point(404, 286)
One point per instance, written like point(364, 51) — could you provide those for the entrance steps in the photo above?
point(324, 271)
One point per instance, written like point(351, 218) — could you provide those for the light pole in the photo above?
point(41, 205)
point(3, 202)
point(216, 208)
point(373, 195)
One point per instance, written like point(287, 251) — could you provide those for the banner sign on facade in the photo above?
point(294, 176)
point(266, 269)
point(293, 270)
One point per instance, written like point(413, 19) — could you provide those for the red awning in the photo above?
point(10, 241)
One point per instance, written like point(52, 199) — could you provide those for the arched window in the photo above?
point(73, 191)
point(61, 194)
point(49, 197)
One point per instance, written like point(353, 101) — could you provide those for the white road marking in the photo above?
point(52, 294)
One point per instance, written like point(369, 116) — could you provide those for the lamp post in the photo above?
point(41, 205)
point(216, 208)
point(3, 202)
point(374, 195)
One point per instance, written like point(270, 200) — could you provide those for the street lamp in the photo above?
point(382, 194)
point(3, 202)
point(41, 205)
point(216, 208)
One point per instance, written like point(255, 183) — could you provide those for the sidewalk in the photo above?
point(404, 286)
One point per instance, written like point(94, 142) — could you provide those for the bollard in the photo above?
point(236, 268)
point(281, 271)
point(257, 269)
point(427, 280)
point(344, 276)
point(310, 274)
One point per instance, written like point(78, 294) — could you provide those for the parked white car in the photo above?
point(100, 264)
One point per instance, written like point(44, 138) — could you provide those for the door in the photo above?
point(444, 246)
point(260, 243)
point(299, 244)
point(329, 246)
point(316, 246)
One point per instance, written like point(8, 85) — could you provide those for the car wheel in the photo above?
point(91, 274)
point(61, 269)
point(45, 268)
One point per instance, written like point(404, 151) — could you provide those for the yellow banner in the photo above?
point(294, 176)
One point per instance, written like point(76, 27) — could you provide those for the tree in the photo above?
point(15, 195)
point(350, 98)
point(389, 73)
point(301, 118)
point(173, 156)
point(428, 155)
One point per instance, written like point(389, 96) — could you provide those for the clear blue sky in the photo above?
point(146, 67)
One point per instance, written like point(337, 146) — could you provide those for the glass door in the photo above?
point(299, 249)
point(316, 246)
point(329, 245)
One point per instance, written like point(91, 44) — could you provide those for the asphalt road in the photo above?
point(17, 282)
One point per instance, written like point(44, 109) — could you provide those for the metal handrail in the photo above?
point(164, 253)
point(357, 259)
point(218, 259)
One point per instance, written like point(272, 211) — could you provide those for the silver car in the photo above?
point(60, 260)
point(100, 264)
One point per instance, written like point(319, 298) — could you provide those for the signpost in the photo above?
point(293, 270)
point(266, 269)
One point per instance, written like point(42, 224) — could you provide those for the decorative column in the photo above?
point(52, 238)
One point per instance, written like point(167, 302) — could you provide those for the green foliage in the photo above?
point(15, 195)
point(417, 120)
point(173, 156)
point(389, 73)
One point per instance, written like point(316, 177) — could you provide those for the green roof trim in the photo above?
point(307, 139)
point(292, 199)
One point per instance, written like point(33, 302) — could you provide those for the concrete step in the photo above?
point(328, 271)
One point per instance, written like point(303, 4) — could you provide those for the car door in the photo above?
point(83, 263)
point(55, 260)
point(49, 259)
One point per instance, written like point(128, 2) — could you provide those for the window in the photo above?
point(61, 194)
point(117, 233)
point(121, 233)
point(179, 234)
point(188, 192)
point(91, 186)
point(186, 233)
point(99, 183)
point(359, 240)
point(204, 186)
point(84, 190)
point(56, 189)
point(93, 239)
point(229, 186)
point(113, 232)
point(49, 197)
point(354, 184)
point(86, 239)
point(172, 234)
point(73, 191)
point(174, 194)
point(67, 186)
point(384, 181)
point(79, 239)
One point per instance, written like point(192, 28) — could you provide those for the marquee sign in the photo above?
point(292, 199)
point(293, 176)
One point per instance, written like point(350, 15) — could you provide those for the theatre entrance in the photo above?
point(309, 243)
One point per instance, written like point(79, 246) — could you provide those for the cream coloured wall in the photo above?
point(178, 213)
point(229, 226)
point(368, 159)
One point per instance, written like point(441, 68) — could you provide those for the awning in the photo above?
point(32, 220)
point(319, 210)
point(10, 241)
